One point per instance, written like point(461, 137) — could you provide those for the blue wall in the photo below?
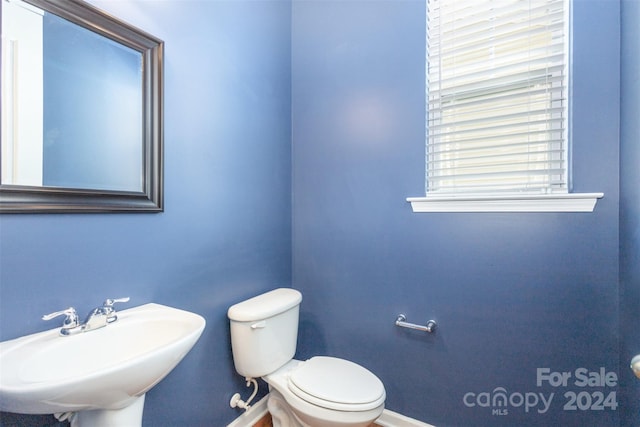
point(511, 292)
point(225, 232)
point(630, 208)
point(341, 84)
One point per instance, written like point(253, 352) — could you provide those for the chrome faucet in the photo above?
point(97, 318)
point(71, 324)
point(108, 309)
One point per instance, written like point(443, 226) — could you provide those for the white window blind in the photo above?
point(497, 96)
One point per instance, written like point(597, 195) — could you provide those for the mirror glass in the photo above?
point(81, 110)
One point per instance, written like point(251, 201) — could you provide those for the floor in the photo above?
point(264, 421)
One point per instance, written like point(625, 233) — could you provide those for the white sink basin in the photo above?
point(104, 369)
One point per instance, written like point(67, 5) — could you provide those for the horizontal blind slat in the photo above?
point(495, 158)
point(496, 38)
point(512, 59)
point(482, 10)
point(509, 97)
point(509, 187)
point(501, 128)
point(501, 174)
point(497, 169)
point(487, 144)
point(487, 119)
point(489, 78)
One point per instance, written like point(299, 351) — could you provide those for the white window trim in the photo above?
point(562, 202)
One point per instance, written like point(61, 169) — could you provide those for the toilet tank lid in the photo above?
point(265, 305)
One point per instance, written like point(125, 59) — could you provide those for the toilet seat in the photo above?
point(336, 384)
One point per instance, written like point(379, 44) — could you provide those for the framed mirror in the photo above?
point(82, 111)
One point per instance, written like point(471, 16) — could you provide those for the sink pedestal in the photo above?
point(131, 416)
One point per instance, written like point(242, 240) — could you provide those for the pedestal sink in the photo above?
point(100, 377)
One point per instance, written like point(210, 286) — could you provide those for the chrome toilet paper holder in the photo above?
point(401, 321)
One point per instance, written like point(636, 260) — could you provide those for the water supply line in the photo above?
point(236, 401)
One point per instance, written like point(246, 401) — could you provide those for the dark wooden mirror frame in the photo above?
point(29, 199)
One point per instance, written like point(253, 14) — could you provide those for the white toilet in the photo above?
point(320, 392)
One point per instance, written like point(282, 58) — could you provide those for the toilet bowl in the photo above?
point(324, 392)
point(319, 392)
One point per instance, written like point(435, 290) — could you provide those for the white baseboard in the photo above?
point(393, 419)
point(387, 419)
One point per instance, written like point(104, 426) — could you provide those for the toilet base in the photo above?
point(283, 415)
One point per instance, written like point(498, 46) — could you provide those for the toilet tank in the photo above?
point(264, 331)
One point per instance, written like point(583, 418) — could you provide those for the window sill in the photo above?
point(569, 202)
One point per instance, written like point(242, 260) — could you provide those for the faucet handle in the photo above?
point(108, 309)
point(110, 302)
point(70, 321)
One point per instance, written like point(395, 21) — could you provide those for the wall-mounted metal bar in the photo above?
point(429, 327)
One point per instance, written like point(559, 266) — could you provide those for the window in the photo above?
point(498, 105)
